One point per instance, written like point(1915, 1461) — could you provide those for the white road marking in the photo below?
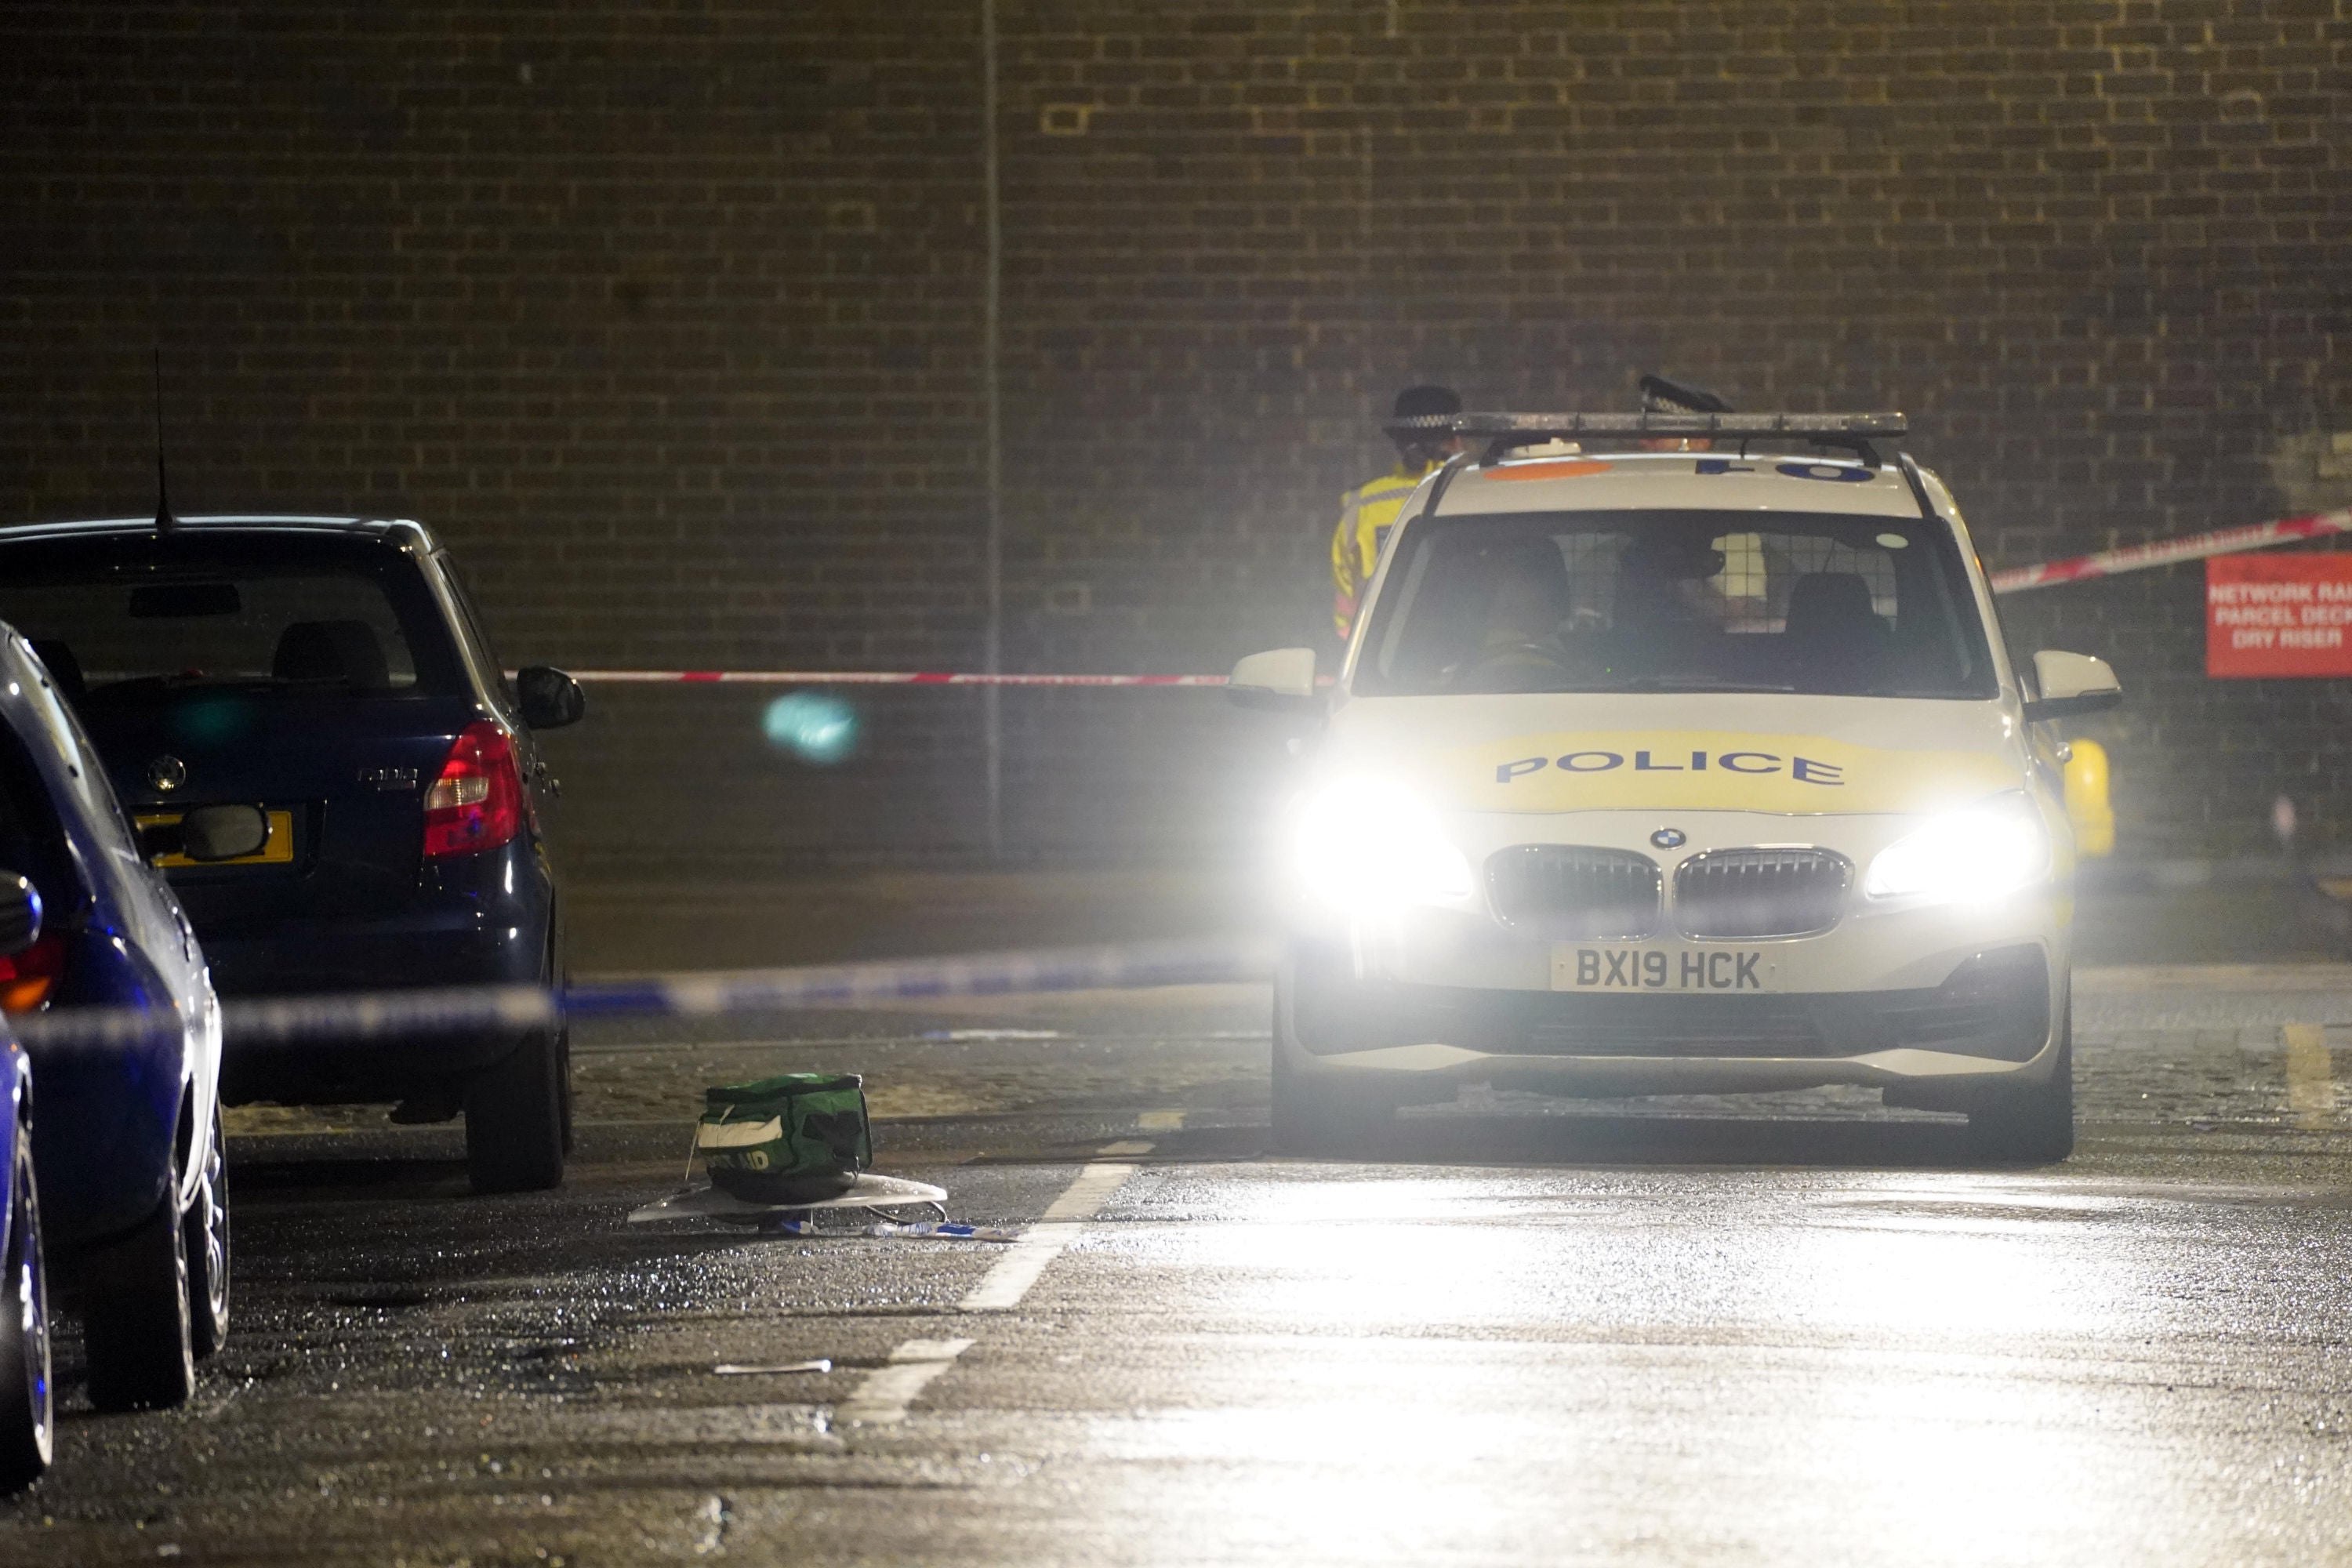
point(1002, 1287)
point(1159, 1122)
point(2310, 1076)
point(882, 1399)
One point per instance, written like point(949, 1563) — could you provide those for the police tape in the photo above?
point(2170, 551)
point(872, 678)
point(353, 1017)
point(2017, 580)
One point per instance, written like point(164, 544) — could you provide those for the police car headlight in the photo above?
point(1368, 844)
point(1966, 856)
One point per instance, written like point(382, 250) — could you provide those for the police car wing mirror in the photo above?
point(2069, 684)
point(213, 833)
point(1282, 680)
point(20, 914)
point(549, 698)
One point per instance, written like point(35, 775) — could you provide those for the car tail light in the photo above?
point(27, 978)
point(477, 802)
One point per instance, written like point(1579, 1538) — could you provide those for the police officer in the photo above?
point(1370, 510)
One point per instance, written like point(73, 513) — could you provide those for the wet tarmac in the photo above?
point(1792, 1330)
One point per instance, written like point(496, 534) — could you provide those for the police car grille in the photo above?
point(1732, 893)
point(1575, 891)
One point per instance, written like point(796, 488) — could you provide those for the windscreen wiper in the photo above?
point(1657, 683)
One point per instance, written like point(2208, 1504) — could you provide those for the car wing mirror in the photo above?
point(549, 698)
point(2069, 684)
point(1281, 680)
point(212, 833)
point(20, 914)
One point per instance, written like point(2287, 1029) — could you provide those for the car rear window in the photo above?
point(1677, 601)
point(116, 622)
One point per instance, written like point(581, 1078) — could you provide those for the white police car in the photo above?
point(1690, 771)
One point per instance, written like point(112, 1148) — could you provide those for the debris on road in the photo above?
point(942, 1231)
point(788, 1139)
point(868, 1192)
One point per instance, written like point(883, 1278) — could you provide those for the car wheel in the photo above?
point(206, 1245)
point(514, 1118)
point(563, 1081)
point(2032, 1124)
point(1317, 1118)
point(27, 1419)
point(136, 1330)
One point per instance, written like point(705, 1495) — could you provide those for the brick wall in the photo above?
point(668, 318)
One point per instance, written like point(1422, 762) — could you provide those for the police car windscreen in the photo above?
point(1677, 601)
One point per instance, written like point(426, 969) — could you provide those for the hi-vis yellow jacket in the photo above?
point(1366, 515)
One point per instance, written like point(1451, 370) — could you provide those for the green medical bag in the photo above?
point(795, 1138)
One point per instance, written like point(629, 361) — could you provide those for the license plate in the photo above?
point(1723, 970)
point(278, 849)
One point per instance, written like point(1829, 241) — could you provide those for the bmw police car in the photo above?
point(1693, 771)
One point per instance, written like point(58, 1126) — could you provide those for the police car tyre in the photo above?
point(2033, 1123)
point(514, 1119)
point(1309, 1117)
point(27, 1415)
point(136, 1328)
point(206, 1244)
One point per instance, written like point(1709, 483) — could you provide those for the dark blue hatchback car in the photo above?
point(332, 673)
point(27, 1426)
point(126, 1138)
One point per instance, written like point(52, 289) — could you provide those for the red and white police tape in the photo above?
point(873, 678)
point(2077, 569)
point(2168, 552)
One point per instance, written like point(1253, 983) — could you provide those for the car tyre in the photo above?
point(515, 1117)
point(206, 1245)
point(1309, 1117)
point(137, 1330)
point(563, 1082)
point(27, 1406)
point(2031, 1124)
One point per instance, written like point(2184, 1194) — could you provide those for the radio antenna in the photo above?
point(164, 521)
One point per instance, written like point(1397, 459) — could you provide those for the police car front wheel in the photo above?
point(1311, 1113)
point(1316, 1119)
point(2032, 1123)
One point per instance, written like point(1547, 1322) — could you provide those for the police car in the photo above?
point(1702, 770)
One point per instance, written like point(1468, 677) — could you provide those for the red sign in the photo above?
point(2278, 615)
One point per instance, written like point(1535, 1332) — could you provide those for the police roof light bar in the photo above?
point(1504, 432)
point(1521, 429)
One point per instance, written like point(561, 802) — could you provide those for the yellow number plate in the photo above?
point(278, 849)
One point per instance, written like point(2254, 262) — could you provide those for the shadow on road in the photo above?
point(386, 1177)
point(1604, 1140)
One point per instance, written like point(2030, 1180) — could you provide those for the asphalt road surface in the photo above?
point(1796, 1330)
